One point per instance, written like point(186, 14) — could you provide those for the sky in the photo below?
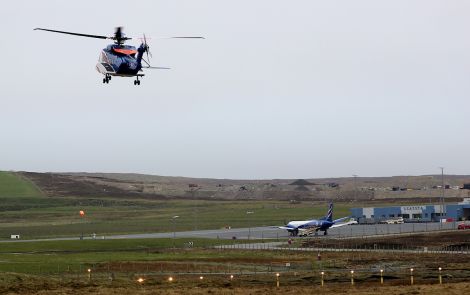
point(278, 89)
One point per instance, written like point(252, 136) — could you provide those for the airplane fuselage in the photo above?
point(314, 224)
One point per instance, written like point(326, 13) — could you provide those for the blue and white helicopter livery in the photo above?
point(307, 227)
point(118, 59)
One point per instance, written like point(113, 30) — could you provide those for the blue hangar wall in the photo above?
point(412, 213)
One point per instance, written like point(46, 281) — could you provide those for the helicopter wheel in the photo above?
point(104, 80)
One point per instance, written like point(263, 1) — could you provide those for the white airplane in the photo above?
point(306, 227)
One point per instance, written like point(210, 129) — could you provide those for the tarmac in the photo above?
point(271, 232)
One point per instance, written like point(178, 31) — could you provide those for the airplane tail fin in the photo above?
point(329, 215)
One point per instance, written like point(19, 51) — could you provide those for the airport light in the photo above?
point(322, 277)
point(231, 277)
point(352, 277)
point(411, 276)
point(277, 280)
point(201, 278)
point(140, 280)
point(440, 275)
point(89, 273)
point(173, 219)
point(170, 279)
point(381, 276)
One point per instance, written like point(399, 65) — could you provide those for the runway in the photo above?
point(273, 232)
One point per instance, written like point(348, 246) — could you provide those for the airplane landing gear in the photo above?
point(325, 233)
point(137, 81)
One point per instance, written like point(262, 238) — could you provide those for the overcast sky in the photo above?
point(279, 89)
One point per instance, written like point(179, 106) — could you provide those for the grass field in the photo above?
point(13, 186)
point(58, 256)
point(60, 267)
point(25, 211)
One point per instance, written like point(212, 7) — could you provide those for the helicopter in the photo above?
point(119, 59)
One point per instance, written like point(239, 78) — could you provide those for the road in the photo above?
point(274, 232)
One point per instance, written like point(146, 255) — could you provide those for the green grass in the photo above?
point(13, 186)
point(44, 257)
point(51, 217)
point(25, 211)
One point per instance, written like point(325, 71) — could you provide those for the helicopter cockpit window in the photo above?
point(103, 57)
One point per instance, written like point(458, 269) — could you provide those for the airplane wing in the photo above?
point(344, 223)
point(341, 219)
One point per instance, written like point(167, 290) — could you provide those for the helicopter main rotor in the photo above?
point(119, 37)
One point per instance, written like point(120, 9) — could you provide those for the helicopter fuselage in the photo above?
point(120, 60)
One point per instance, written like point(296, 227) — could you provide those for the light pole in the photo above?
point(173, 219)
point(440, 275)
point(355, 187)
point(411, 276)
point(249, 224)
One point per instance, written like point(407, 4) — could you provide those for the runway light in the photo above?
point(352, 272)
point(440, 268)
point(170, 279)
point(140, 280)
point(231, 277)
point(89, 270)
point(201, 277)
point(411, 270)
point(277, 280)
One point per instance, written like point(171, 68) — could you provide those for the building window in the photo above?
point(406, 216)
point(391, 215)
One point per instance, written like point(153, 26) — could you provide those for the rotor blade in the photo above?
point(187, 38)
point(178, 37)
point(76, 34)
point(146, 62)
point(156, 68)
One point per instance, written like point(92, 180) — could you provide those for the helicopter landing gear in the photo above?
point(137, 81)
point(106, 79)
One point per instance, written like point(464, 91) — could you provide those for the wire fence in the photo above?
point(303, 273)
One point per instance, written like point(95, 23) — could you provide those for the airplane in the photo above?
point(306, 227)
point(121, 60)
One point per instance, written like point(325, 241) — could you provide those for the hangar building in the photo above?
point(414, 213)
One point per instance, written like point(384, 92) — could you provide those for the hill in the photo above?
point(402, 188)
point(13, 185)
